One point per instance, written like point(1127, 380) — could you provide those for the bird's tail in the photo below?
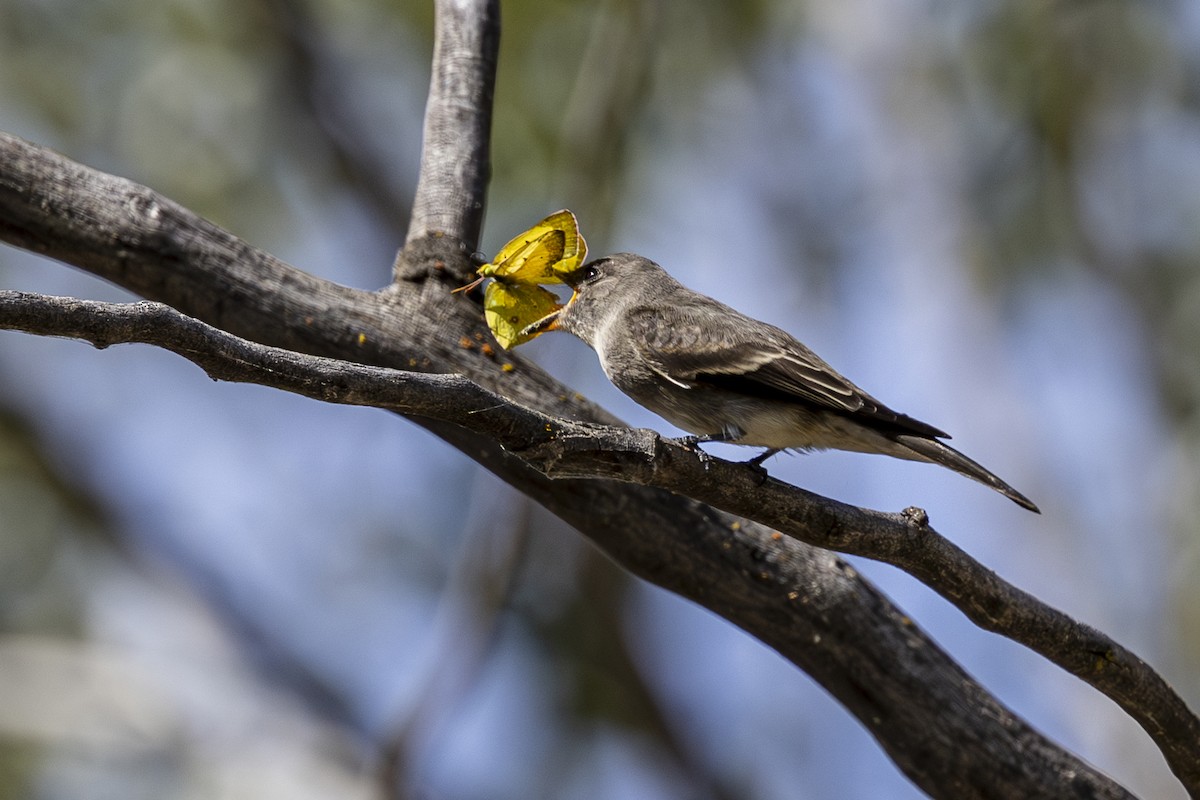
point(938, 453)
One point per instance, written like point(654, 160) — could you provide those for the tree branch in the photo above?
point(942, 729)
point(564, 448)
point(455, 159)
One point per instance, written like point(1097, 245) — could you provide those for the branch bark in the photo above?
point(943, 730)
point(562, 448)
point(456, 156)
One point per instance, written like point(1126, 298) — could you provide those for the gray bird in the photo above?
point(726, 377)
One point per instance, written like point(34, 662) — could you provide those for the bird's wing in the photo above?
point(761, 361)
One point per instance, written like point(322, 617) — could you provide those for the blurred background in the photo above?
point(987, 213)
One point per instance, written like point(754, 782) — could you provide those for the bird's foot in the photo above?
point(756, 464)
point(761, 457)
point(693, 443)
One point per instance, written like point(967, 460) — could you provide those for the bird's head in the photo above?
point(601, 289)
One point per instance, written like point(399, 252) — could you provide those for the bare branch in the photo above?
point(450, 398)
point(940, 727)
point(943, 730)
point(569, 449)
point(456, 160)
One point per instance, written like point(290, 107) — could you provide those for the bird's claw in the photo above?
point(760, 472)
point(756, 464)
point(693, 443)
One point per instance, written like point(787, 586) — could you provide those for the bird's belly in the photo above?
point(779, 426)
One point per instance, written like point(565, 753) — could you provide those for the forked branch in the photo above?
point(941, 728)
point(564, 448)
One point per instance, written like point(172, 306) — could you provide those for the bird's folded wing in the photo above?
point(762, 362)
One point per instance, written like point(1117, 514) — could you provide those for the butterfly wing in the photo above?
point(574, 246)
point(509, 308)
point(542, 254)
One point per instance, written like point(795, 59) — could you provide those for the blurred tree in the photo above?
point(288, 115)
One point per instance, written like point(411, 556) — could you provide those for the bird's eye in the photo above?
point(590, 272)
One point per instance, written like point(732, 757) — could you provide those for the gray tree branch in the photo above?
point(455, 156)
point(565, 448)
point(943, 730)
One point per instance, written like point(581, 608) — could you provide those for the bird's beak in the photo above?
point(548, 322)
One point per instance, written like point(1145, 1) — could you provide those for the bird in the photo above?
point(725, 377)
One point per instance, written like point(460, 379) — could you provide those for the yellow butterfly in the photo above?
point(510, 308)
point(542, 254)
